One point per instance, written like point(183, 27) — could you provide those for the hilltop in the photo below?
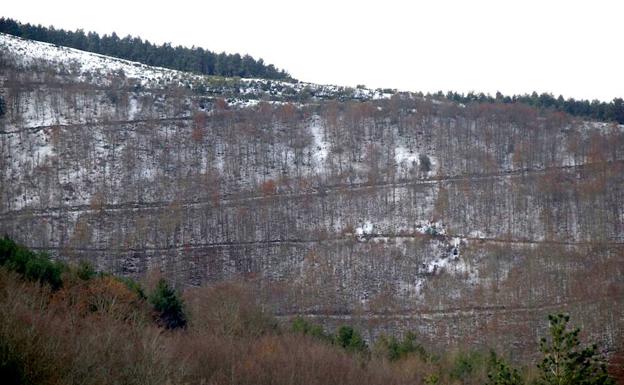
point(197, 60)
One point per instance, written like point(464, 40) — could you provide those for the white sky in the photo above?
point(574, 48)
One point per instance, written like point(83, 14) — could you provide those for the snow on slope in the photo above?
point(31, 52)
point(24, 53)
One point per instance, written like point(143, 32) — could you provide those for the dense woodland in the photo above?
point(132, 48)
point(595, 109)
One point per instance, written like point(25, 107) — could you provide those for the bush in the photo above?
point(168, 305)
point(85, 271)
point(351, 340)
point(468, 365)
point(393, 349)
point(133, 285)
point(303, 326)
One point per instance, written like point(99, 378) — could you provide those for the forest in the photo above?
point(194, 59)
point(68, 323)
point(597, 110)
point(410, 233)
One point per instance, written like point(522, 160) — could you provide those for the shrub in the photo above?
point(133, 285)
point(303, 326)
point(85, 271)
point(169, 307)
point(350, 339)
point(468, 365)
point(393, 349)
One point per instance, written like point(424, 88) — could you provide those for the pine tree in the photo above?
point(169, 308)
point(501, 373)
point(351, 339)
point(565, 362)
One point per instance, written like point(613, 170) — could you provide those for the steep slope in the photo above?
point(467, 224)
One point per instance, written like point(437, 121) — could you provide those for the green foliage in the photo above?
point(605, 111)
point(85, 271)
point(350, 339)
point(565, 362)
point(432, 379)
point(168, 305)
point(346, 336)
point(467, 365)
point(393, 349)
point(32, 266)
point(134, 48)
point(303, 326)
point(433, 231)
point(501, 373)
point(133, 286)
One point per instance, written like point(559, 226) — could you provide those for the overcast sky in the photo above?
point(574, 48)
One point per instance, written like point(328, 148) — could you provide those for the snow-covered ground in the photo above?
point(25, 53)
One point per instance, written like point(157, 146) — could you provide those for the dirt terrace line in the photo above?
point(344, 238)
point(233, 201)
point(98, 123)
point(451, 312)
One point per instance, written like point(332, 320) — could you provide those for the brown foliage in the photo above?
point(199, 120)
point(269, 187)
point(101, 297)
point(61, 339)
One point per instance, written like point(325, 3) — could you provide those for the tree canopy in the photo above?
point(595, 109)
point(195, 59)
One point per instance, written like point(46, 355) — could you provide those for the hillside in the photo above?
point(67, 324)
point(465, 223)
point(197, 60)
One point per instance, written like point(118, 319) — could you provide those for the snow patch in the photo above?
point(321, 147)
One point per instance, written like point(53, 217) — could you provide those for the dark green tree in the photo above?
point(501, 373)
point(134, 48)
point(30, 265)
point(565, 362)
point(351, 339)
point(303, 326)
point(168, 306)
point(394, 349)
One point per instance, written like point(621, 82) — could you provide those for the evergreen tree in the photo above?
point(301, 325)
point(134, 48)
point(501, 373)
point(169, 307)
point(394, 349)
point(565, 362)
point(351, 339)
